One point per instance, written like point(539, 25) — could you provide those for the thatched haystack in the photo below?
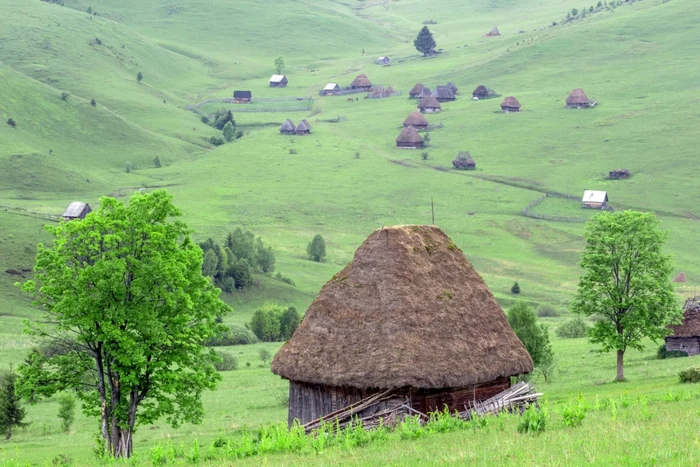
point(464, 161)
point(578, 99)
point(416, 120)
point(680, 278)
point(482, 92)
point(408, 313)
point(415, 90)
point(686, 336)
point(494, 32)
point(429, 105)
point(361, 82)
point(304, 128)
point(287, 127)
point(409, 138)
point(510, 104)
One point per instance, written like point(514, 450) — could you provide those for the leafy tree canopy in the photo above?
point(316, 249)
point(535, 337)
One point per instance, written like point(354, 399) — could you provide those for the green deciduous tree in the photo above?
point(424, 42)
point(626, 282)
point(534, 336)
point(272, 323)
point(316, 249)
point(127, 302)
point(66, 410)
point(229, 131)
point(139, 77)
point(11, 411)
point(279, 65)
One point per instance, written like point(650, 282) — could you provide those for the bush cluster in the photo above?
point(690, 375)
point(546, 311)
point(272, 323)
point(227, 362)
point(573, 328)
point(663, 354)
point(234, 335)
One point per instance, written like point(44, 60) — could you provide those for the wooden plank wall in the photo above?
point(686, 344)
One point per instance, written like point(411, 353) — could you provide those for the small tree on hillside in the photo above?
point(535, 337)
point(11, 411)
point(316, 249)
point(66, 410)
point(11, 122)
point(424, 42)
point(626, 282)
point(229, 131)
point(139, 77)
point(515, 289)
point(279, 65)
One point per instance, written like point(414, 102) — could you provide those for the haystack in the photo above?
point(416, 120)
point(578, 99)
point(482, 92)
point(510, 104)
point(287, 127)
point(494, 32)
point(686, 336)
point(408, 313)
point(415, 90)
point(361, 82)
point(409, 138)
point(680, 278)
point(429, 105)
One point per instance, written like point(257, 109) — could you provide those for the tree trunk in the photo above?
point(620, 365)
point(122, 445)
point(9, 432)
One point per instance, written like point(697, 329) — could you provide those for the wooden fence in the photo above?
point(527, 210)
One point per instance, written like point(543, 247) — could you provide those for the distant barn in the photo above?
point(416, 120)
point(383, 60)
point(278, 81)
point(361, 82)
point(494, 32)
point(686, 336)
point(578, 99)
point(304, 128)
point(595, 199)
point(464, 161)
point(415, 91)
point(425, 92)
point(76, 210)
point(242, 97)
point(429, 105)
point(408, 314)
point(482, 92)
point(510, 104)
point(330, 89)
point(409, 139)
point(619, 174)
point(452, 87)
point(443, 94)
point(288, 127)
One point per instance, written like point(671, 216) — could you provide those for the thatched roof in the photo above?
point(288, 125)
point(304, 126)
point(416, 89)
point(409, 310)
point(510, 101)
point(577, 96)
point(690, 327)
point(429, 102)
point(452, 87)
point(680, 278)
point(409, 135)
point(483, 92)
point(361, 82)
point(415, 119)
point(425, 92)
point(443, 92)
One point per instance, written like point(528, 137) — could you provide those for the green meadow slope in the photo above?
point(347, 178)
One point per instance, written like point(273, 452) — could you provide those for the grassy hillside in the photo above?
point(347, 178)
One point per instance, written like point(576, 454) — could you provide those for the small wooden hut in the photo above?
point(452, 87)
point(464, 161)
point(287, 127)
point(416, 120)
point(383, 60)
point(303, 128)
point(429, 105)
point(494, 32)
point(686, 336)
point(409, 313)
point(425, 92)
point(595, 199)
point(510, 104)
point(578, 99)
point(619, 174)
point(278, 81)
point(680, 278)
point(415, 90)
point(409, 139)
point(361, 82)
point(443, 94)
point(330, 89)
point(242, 97)
point(76, 210)
point(482, 92)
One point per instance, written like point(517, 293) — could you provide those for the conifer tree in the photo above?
point(424, 42)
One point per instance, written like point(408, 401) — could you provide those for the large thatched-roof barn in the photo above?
point(686, 336)
point(429, 105)
point(416, 120)
point(409, 139)
point(361, 82)
point(578, 99)
point(415, 91)
point(408, 313)
point(443, 94)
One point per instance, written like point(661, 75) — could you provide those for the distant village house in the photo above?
point(278, 81)
point(595, 199)
point(409, 139)
point(686, 336)
point(464, 161)
point(330, 89)
point(242, 97)
point(429, 105)
point(76, 210)
point(383, 61)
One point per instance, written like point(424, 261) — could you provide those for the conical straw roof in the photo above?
point(361, 81)
point(288, 125)
point(429, 102)
point(409, 310)
point(577, 96)
point(409, 135)
point(510, 101)
point(690, 327)
point(415, 119)
point(416, 89)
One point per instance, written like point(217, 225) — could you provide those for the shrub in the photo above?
point(66, 410)
point(690, 375)
point(535, 338)
point(128, 167)
point(357, 155)
point(93, 102)
point(229, 131)
point(573, 328)
point(316, 249)
point(285, 279)
point(235, 335)
point(515, 289)
point(65, 95)
point(547, 312)
point(12, 123)
point(156, 162)
point(139, 77)
point(663, 354)
point(264, 355)
point(533, 420)
point(228, 284)
point(574, 412)
point(217, 140)
point(424, 156)
point(272, 323)
point(228, 362)
point(205, 119)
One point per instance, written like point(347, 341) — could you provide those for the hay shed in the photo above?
point(510, 104)
point(578, 99)
point(383, 60)
point(304, 128)
point(464, 161)
point(361, 82)
point(443, 94)
point(278, 81)
point(409, 139)
point(242, 97)
point(686, 335)
point(482, 92)
point(416, 120)
point(619, 174)
point(330, 89)
point(595, 199)
point(453, 87)
point(287, 127)
point(415, 91)
point(76, 210)
point(408, 313)
point(429, 105)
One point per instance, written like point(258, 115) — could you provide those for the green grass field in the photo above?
point(633, 60)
